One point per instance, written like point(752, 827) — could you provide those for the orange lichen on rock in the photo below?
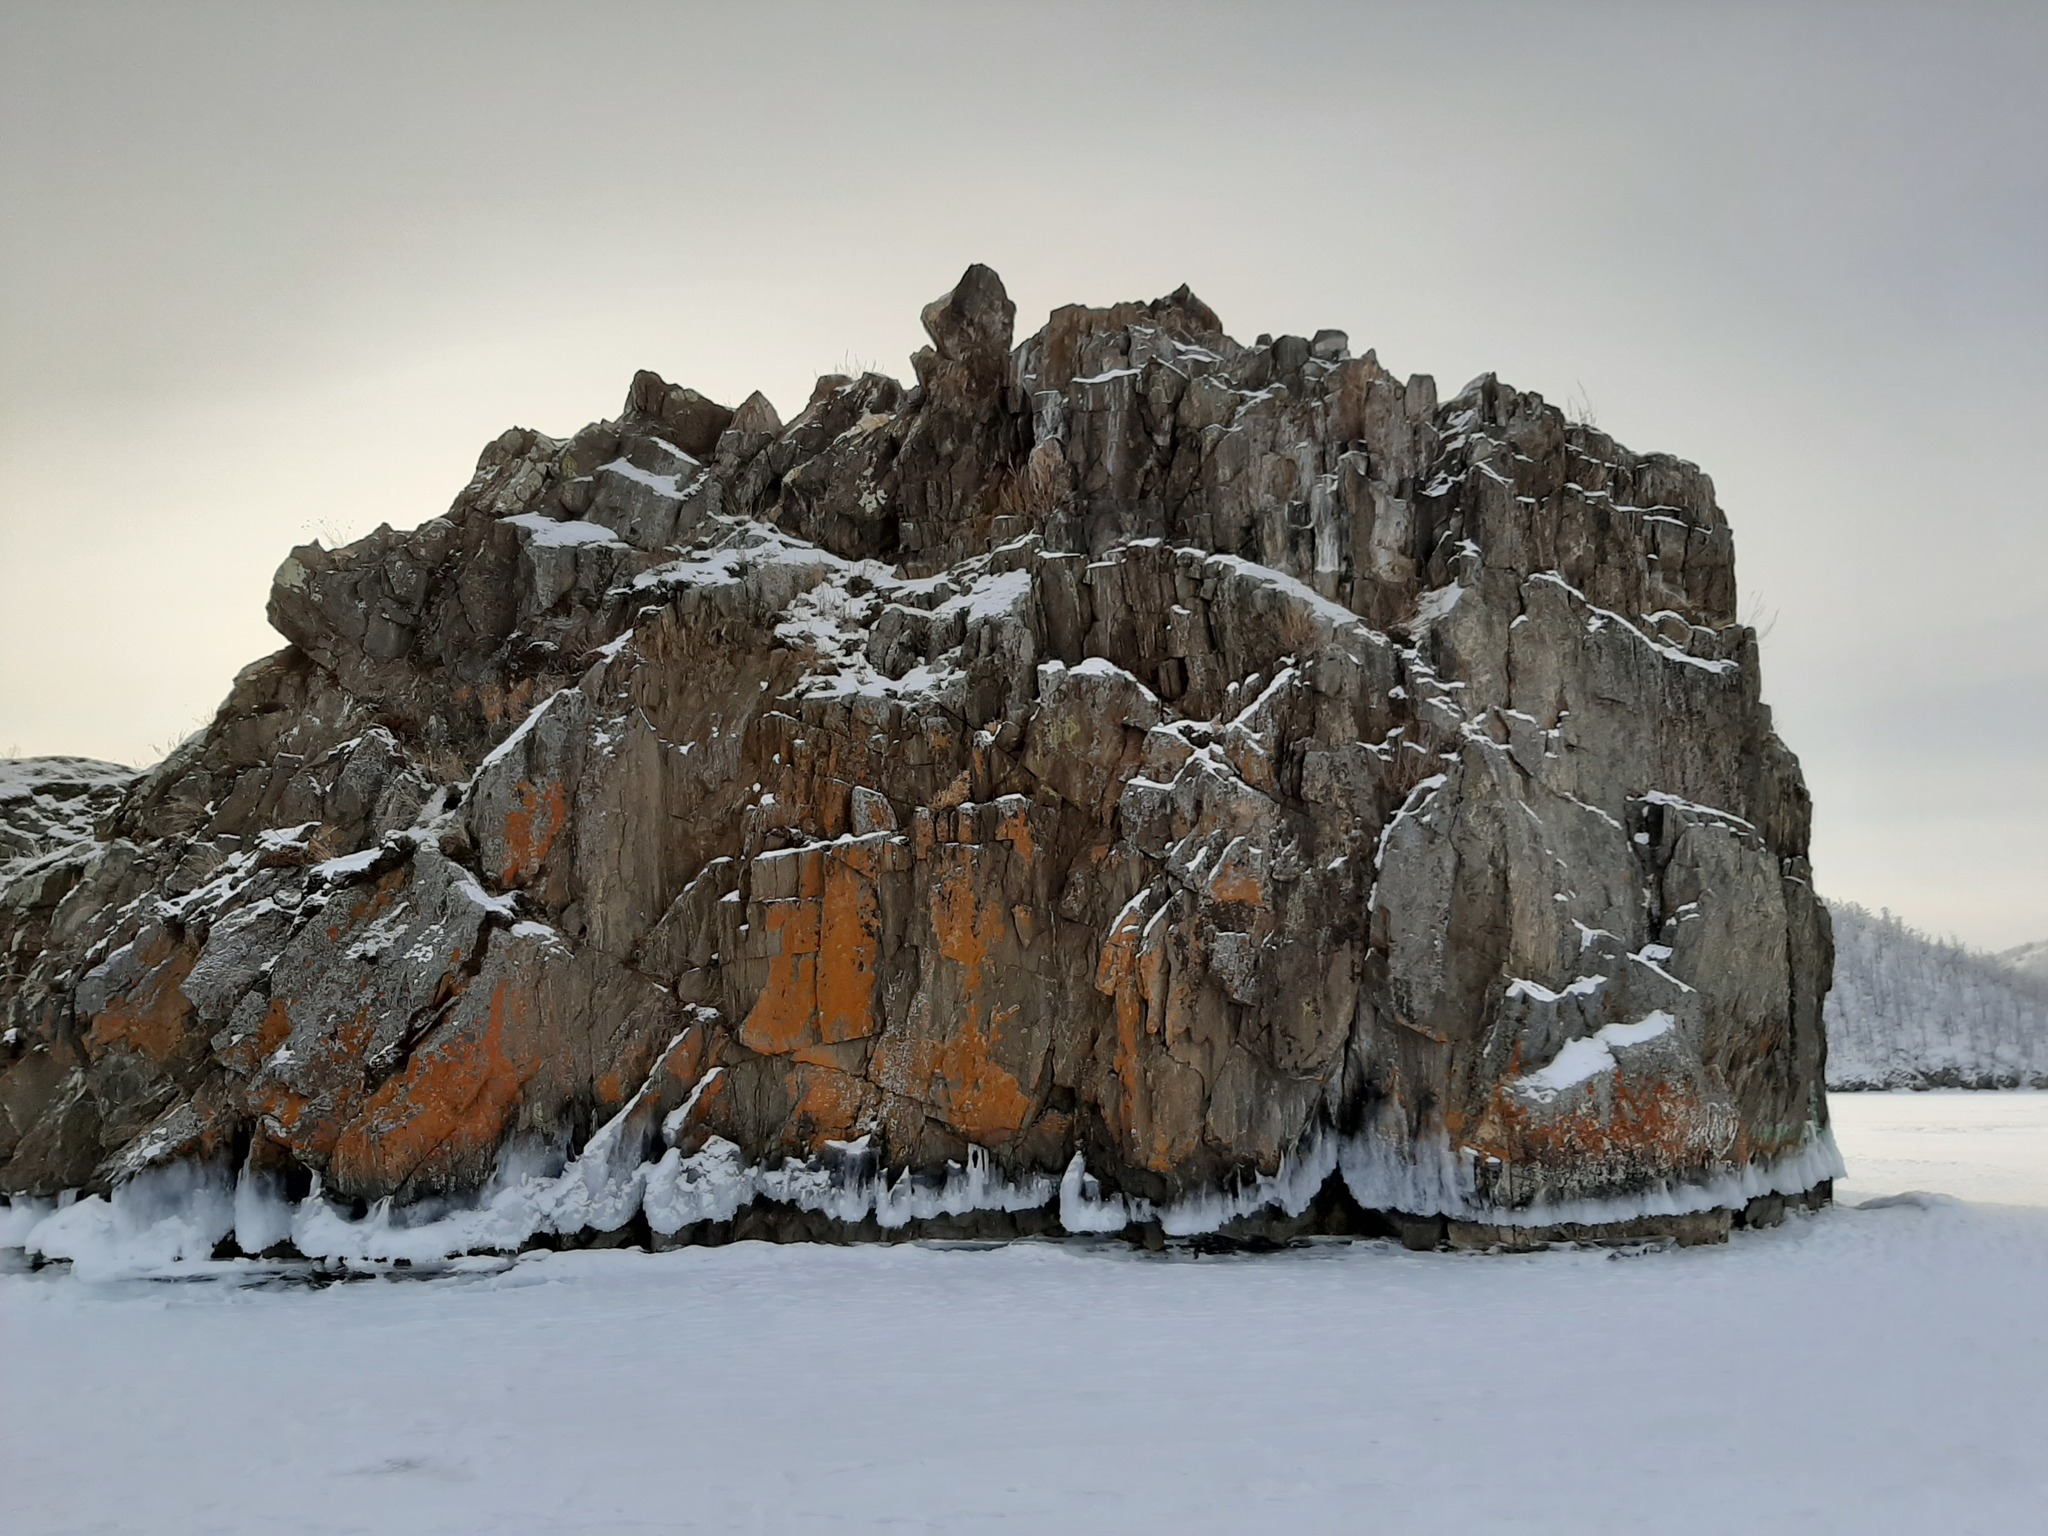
point(959, 1081)
point(1123, 973)
point(1239, 876)
point(450, 1103)
point(1237, 882)
point(974, 1092)
point(1652, 1122)
point(152, 1017)
point(308, 1101)
point(1158, 1111)
point(1015, 829)
point(251, 1051)
point(707, 1091)
point(959, 1075)
point(964, 925)
point(825, 949)
point(683, 1061)
point(849, 948)
point(782, 1015)
point(828, 1104)
point(531, 828)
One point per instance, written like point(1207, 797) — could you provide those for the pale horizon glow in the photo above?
point(276, 272)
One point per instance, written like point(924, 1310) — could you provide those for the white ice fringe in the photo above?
point(159, 1218)
point(172, 1216)
point(1084, 1208)
point(1427, 1178)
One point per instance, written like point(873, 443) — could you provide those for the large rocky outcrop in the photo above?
point(1126, 777)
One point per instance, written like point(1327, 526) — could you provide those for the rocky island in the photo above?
point(1127, 781)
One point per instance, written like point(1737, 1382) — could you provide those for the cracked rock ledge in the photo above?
point(1129, 781)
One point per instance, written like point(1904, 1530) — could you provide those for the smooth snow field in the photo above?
point(1990, 1147)
point(1882, 1369)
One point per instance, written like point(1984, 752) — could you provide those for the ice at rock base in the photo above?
point(1860, 1372)
point(177, 1215)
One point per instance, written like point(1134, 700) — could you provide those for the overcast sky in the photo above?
point(275, 271)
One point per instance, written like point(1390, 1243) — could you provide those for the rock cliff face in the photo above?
point(1126, 777)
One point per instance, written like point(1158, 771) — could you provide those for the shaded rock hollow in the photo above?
point(1129, 774)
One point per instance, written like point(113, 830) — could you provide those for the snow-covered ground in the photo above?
point(1989, 1147)
point(1882, 1369)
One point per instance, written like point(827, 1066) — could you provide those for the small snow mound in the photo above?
point(1916, 1199)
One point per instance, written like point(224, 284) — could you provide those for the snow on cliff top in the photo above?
point(47, 803)
point(24, 776)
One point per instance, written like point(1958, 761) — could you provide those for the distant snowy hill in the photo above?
point(2032, 959)
point(1910, 1011)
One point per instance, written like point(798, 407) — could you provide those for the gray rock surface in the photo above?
point(1198, 778)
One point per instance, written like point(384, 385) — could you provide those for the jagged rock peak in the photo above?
point(972, 325)
point(1127, 778)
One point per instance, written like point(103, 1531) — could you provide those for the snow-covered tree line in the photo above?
point(1911, 1011)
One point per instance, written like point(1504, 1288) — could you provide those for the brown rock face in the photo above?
point(1132, 772)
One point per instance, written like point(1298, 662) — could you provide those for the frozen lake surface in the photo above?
point(1865, 1371)
point(1990, 1147)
